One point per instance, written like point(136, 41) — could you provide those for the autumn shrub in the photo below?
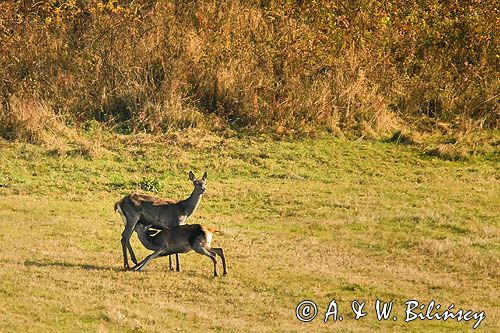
point(360, 67)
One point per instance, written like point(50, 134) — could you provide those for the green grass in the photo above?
point(312, 219)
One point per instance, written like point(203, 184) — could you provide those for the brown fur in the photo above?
point(137, 199)
point(210, 229)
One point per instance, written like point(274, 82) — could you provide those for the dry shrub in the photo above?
point(171, 113)
point(29, 120)
point(406, 137)
point(364, 68)
point(464, 141)
point(359, 102)
point(450, 152)
point(33, 120)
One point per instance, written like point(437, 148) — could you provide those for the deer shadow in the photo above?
point(63, 264)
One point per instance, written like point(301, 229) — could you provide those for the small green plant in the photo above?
point(151, 184)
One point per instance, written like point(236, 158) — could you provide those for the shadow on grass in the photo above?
point(70, 265)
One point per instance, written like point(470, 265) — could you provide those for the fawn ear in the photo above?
point(191, 176)
point(204, 176)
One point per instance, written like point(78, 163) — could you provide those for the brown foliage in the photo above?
point(364, 67)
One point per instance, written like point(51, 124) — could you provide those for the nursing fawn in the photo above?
point(180, 239)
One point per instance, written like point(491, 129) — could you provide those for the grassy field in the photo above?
point(317, 219)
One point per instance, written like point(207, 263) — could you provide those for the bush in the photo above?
point(362, 67)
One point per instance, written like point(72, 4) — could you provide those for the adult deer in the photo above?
point(157, 213)
point(180, 239)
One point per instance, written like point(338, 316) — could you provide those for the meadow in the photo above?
point(320, 219)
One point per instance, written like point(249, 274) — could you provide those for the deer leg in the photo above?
point(132, 254)
point(124, 241)
point(170, 263)
point(177, 267)
point(126, 234)
point(220, 253)
point(203, 251)
point(140, 266)
point(177, 264)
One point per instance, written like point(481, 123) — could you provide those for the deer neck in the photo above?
point(146, 240)
point(191, 203)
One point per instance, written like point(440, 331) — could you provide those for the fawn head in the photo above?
point(199, 184)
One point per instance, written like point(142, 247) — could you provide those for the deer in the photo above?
point(180, 239)
point(140, 209)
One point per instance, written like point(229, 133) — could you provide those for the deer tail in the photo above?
point(116, 205)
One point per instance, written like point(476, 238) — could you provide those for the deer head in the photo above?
point(199, 184)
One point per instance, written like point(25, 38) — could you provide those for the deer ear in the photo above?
point(191, 176)
point(204, 176)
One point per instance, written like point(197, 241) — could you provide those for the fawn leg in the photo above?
point(177, 264)
point(220, 253)
point(170, 263)
point(203, 251)
point(140, 266)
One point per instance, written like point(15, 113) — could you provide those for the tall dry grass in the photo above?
point(362, 67)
